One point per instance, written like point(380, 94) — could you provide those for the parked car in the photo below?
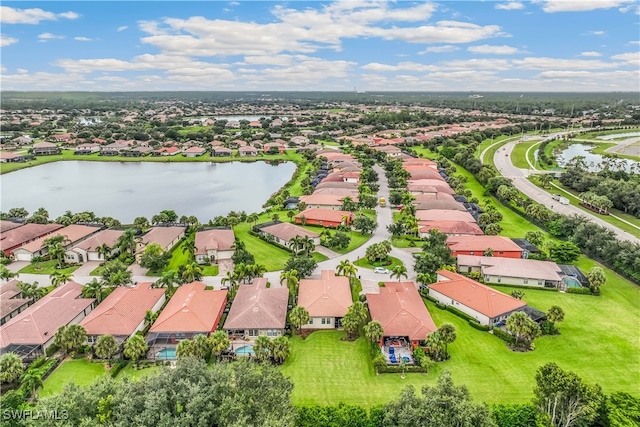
point(381, 270)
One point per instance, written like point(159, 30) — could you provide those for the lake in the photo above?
point(593, 160)
point(126, 190)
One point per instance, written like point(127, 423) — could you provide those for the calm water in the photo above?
point(130, 189)
point(592, 159)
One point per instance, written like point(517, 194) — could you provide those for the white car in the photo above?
point(381, 270)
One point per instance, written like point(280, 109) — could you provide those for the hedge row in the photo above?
point(582, 291)
point(396, 369)
point(474, 324)
point(51, 350)
point(504, 336)
point(115, 370)
point(537, 288)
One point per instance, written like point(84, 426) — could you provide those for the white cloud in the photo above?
point(234, 3)
point(48, 36)
point(82, 39)
point(594, 33)
point(10, 15)
point(552, 6)
point(402, 66)
point(511, 5)
point(631, 58)
point(7, 41)
point(591, 54)
point(22, 70)
point(634, 42)
point(122, 28)
point(563, 64)
point(493, 50)
point(439, 49)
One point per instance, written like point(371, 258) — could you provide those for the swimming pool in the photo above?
point(571, 282)
point(245, 351)
point(166, 354)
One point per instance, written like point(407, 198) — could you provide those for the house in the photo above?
point(193, 310)
point(324, 201)
point(12, 302)
point(429, 186)
point(29, 333)
point(450, 228)
point(194, 152)
point(87, 250)
point(123, 312)
point(14, 238)
point(327, 300)
point(166, 237)
point(137, 151)
point(8, 157)
point(389, 150)
point(167, 151)
point(324, 217)
point(273, 147)
point(300, 140)
point(257, 310)
point(444, 215)
point(221, 151)
point(72, 234)
point(401, 312)
point(477, 245)
point(45, 148)
point(341, 192)
point(512, 271)
point(425, 202)
point(115, 148)
point(283, 232)
point(215, 244)
point(87, 148)
point(247, 151)
point(485, 304)
point(6, 225)
point(337, 184)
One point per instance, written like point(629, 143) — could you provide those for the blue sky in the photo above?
point(540, 45)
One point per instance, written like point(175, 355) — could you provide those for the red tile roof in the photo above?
point(220, 239)
point(191, 309)
point(481, 298)
point(162, 235)
point(9, 225)
point(39, 323)
point(256, 307)
point(451, 227)
point(319, 214)
point(481, 243)
point(20, 235)
point(122, 312)
point(108, 237)
point(287, 231)
point(444, 215)
point(8, 300)
point(328, 297)
point(71, 233)
point(401, 312)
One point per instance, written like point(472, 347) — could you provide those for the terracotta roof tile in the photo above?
point(220, 239)
point(256, 307)
point(328, 297)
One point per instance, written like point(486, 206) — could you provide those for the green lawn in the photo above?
point(326, 370)
point(271, 256)
point(46, 267)
point(134, 374)
point(389, 264)
point(81, 372)
point(210, 270)
point(518, 155)
point(318, 257)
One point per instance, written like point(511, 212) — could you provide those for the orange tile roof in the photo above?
point(220, 239)
point(73, 233)
point(401, 312)
point(444, 215)
point(328, 297)
point(481, 243)
point(108, 237)
point(258, 307)
point(481, 298)
point(191, 309)
point(123, 310)
point(451, 227)
point(287, 231)
point(19, 235)
point(319, 214)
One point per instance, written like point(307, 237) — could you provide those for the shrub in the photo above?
point(459, 313)
point(515, 415)
point(51, 350)
point(397, 369)
point(441, 306)
point(581, 291)
point(504, 336)
point(548, 328)
point(474, 324)
point(115, 370)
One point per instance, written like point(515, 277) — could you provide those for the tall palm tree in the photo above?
point(230, 280)
point(169, 279)
point(434, 342)
point(399, 271)
point(57, 251)
point(104, 251)
point(345, 263)
point(135, 347)
point(262, 347)
point(70, 337)
point(290, 215)
point(32, 381)
point(191, 273)
point(150, 317)
point(296, 244)
point(292, 281)
point(106, 347)
point(298, 316)
point(127, 241)
point(423, 278)
point(28, 290)
point(373, 331)
point(11, 367)
point(219, 342)
point(189, 246)
point(308, 245)
point(253, 218)
point(93, 289)
point(448, 335)
point(59, 278)
point(280, 349)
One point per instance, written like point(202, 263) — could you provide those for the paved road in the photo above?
point(368, 277)
point(502, 160)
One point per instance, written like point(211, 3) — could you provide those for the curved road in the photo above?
point(502, 160)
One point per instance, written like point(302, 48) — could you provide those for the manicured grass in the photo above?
point(318, 257)
point(271, 256)
point(389, 264)
point(403, 242)
point(47, 267)
point(178, 258)
point(134, 374)
point(356, 288)
point(209, 270)
point(327, 370)
point(81, 372)
point(518, 155)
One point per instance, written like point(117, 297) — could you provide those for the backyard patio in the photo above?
point(396, 349)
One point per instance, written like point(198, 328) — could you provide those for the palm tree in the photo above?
point(262, 347)
point(127, 241)
point(253, 218)
point(219, 342)
point(291, 278)
point(189, 246)
point(11, 367)
point(345, 263)
point(359, 311)
point(296, 244)
point(555, 314)
point(280, 349)
point(104, 251)
point(448, 335)
point(28, 290)
point(350, 324)
point(192, 272)
point(298, 316)
point(106, 347)
point(488, 252)
point(290, 215)
point(57, 252)
point(168, 279)
point(231, 280)
point(434, 342)
point(201, 346)
point(70, 337)
point(275, 217)
point(545, 180)
point(423, 278)
point(135, 348)
point(373, 331)
point(150, 317)
point(184, 349)
point(399, 271)
point(308, 246)
point(32, 381)
point(93, 289)
point(59, 278)
point(5, 273)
